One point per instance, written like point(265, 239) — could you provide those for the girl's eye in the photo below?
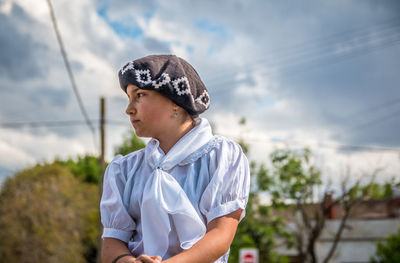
point(139, 95)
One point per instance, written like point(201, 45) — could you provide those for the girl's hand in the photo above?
point(147, 259)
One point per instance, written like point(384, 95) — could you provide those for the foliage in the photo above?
point(294, 179)
point(86, 168)
point(294, 184)
point(292, 187)
point(291, 184)
point(129, 144)
point(50, 212)
point(381, 191)
point(261, 228)
point(388, 251)
point(44, 213)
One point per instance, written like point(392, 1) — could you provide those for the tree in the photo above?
point(86, 168)
point(294, 186)
point(43, 216)
point(260, 228)
point(130, 144)
point(49, 212)
point(389, 250)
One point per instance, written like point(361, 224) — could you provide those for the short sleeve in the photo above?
point(229, 186)
point(114, 215)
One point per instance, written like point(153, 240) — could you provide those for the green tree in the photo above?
point(295, 181)
point(86, 168)
point(49, 213)
point(292, 184)
point(389, 250)
point(44, 216)
point(129, 144)
point(261, 227)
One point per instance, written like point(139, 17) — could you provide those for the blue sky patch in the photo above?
point(121, 29)
point(149, 14)
point(190, 49)
point(206, 26)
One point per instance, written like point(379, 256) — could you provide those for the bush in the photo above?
point(388, 251)
point(45, 216)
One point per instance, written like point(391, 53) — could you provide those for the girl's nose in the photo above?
point(130, 109)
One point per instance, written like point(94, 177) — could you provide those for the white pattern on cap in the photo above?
point(203, 96)
point(164, 79)
point(139, 73)
point(179, 83)
point(127, 67)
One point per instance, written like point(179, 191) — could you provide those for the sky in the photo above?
point(317, 74)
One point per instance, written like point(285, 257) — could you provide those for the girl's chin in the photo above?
point(140, 133)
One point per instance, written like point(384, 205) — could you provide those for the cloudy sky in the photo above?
point(321, 74)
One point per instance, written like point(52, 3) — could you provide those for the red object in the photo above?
point(249, 258)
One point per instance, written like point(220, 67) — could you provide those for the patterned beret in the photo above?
point(171, 76)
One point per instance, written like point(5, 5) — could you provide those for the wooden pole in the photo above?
point(102, 169)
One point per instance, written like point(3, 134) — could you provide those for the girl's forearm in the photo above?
point(214, 244)
point(112, 248)
point(208, 249)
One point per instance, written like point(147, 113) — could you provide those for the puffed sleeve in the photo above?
point(229, 186)
point(114, 215)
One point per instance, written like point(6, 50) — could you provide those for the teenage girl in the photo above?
point(179, 199)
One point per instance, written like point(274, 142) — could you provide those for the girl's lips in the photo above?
point(134, 122)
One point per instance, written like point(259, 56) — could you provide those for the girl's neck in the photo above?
point(171, 136)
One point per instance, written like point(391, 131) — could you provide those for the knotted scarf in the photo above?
point(164, 201)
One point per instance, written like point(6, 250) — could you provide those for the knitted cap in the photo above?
point(171, 76)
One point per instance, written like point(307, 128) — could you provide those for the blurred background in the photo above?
point(310, 89)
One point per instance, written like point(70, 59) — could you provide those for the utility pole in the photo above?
point(102, 169)
point(102, 139)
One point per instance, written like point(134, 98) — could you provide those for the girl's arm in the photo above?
point(214, 244)
point(112, 248)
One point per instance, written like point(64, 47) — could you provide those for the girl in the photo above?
point(180, 198)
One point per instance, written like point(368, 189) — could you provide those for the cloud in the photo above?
point(19, 56)
point(306, 74)
point(157, 46)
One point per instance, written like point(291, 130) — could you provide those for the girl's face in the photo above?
point(149, 111)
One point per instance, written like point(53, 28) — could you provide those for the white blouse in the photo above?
point(160, 204)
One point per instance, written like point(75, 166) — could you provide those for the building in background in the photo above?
point(370, 221)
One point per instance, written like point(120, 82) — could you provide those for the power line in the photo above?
point(375, 108)
point(375, 120)
point(365, 112)
point(345, 147)
point(298, 61)
point(309, 47)
point(362, 50)
point(70, 74)
point(265, 140)
point(38, 124)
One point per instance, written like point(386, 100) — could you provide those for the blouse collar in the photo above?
point(188, 144)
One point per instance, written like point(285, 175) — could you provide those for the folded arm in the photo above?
point(112, 248)
point(214, 244)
